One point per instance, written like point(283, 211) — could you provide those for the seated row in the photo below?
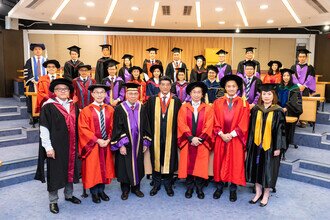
point(146, 137)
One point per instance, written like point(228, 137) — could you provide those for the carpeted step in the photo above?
point(28, 135)
point(16, 176)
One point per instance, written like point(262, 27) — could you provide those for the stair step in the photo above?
point(314, 174)
point(16, 176)
point(29, 135)
point(314, 166)
point(21, 163)
point(10, 131)
point(8, 109)
point(311, 140)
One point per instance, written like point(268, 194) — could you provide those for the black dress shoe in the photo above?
point(74, 200)
point(154, 191)
point(96, 198)
point(254, 202)
point(53, 208)
point(138, 193)
point(263, 204)
point(233, 196)
point(104, 196)
point(217, 194)
point(170, 192)
point(200, 194)
point(189, 193)
point(124, 196)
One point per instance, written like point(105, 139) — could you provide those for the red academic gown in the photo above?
point(97, 162)
point(43, 93)
point(228, 164)
point(142, 90)
point(194, 160)
point(82, 96)
point(274, 78)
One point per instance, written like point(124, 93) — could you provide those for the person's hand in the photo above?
point(195, 141)
point(102, 143)
point(122, 150)
point(251, 105)
point(115, 102)
point(277, 153)
point(285, 109)
point(144, 149)
point(302, 88)
point(226, 137)
point(51, 153)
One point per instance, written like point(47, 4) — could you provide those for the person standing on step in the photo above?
point(162, 112)
point(71, 66)
point(265, 142)
point(152, 87)
point(130, 139)
point(148, 63)
point(199, 73)
point(249, 56)
point(195, 126)
point(214, 90)
point(82, 96)
point(43, 93)
point(274, 74)
point(95, 130)
point(223, 67)
point(59, 144)
point(231, 124)
point(137, 77)
point(123, 72)
point(100, 69)
point(179, 87)
point(171, 69)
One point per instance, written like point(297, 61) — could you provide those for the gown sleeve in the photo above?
point(119, 137)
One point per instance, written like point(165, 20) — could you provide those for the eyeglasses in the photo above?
point(62, 89)
point(99, 93)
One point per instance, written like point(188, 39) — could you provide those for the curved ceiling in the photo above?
point(214, 14)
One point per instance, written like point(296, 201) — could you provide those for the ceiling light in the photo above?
point(130, 20)
point(134, 8)
point(221, 22)
point(326, 27)
point(111, 9)
point(59, 10)
point(263, 7)
point(270, 21)
point(292, 12)
point(237, 30)
point(241, 11)
point(218, 9)
point(154, 14)
point(198, 13)
point(90, 4)
point(82, 18)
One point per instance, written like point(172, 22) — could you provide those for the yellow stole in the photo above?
point(267, 137)
point(169, 123)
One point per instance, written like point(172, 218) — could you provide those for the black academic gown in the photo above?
point(57, 169)
point(266, 171)
point(128, 170)
point(240, 67)
point(146, 62)
point(71, 70)
point(150, 106)
point(100, 70)
point(170, 71)
point(198, 75)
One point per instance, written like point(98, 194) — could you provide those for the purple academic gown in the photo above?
point(254, 94)
point(180, 92)
point(222, 71)
point(303, 78)
point(118, 89)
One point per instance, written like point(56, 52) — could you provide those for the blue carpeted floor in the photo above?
point(293, 200)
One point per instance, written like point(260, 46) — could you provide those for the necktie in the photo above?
point(39, 68)
point(230, 105)
point(132, 107)
point(164, 100)
point(103, 132)
point(152, 62)
point(177, 64)
point(52, 78)
point(248, 86)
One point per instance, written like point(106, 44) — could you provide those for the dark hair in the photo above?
point(270, 71)
point(165, 78)
point(130, 63)
point(160, 75)
point(290, 83)
point(275, 99)
point(185, 74)
point(202, 67)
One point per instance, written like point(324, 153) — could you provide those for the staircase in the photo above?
point(18, 144)
point(310, 163)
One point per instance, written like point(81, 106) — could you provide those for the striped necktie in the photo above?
point(248, 87)
point(103, 132)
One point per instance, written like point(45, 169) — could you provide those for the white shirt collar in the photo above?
point(95, 103)
point(129, 104)
point(114, 77)
point(231, 97)
point(156, 80)
point(50, 76)
point(83, 78)
point(167, 95)
point(195, 104)
point(62, 102)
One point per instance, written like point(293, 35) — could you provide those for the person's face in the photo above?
point(274, 66)
point(136, 74)
point(132, 96)
point(112, 70)
point(156, 73)
point(62, 91)
point(249, 71)
point(37, 51)
point(249, 55)
point(181, 76)
point(99, 95)
point(74, 55)
point(267, 97)
point(196, 94)
point(176, 56)
point(302, 58)
point(106, 52)
point(231, 87)
point(222, 58)
point(211, 75)
point(199, 62)
point(84, 72)
point(127, 62)
point(51, 69)
point(286, 77)
point(165, 86)
point(152, 55)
